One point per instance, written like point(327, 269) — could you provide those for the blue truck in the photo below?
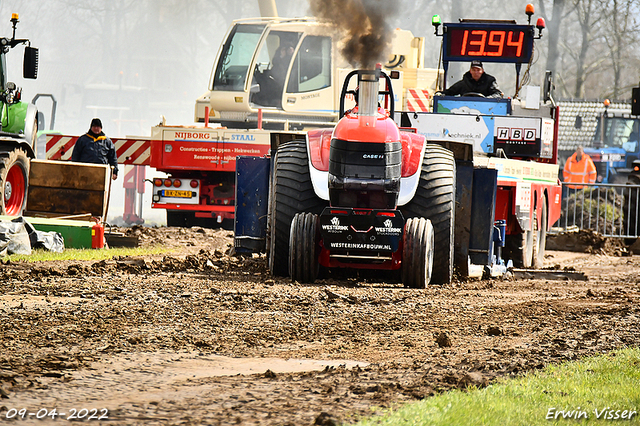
point(615, 146)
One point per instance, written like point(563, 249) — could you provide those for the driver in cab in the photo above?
point(475, 82)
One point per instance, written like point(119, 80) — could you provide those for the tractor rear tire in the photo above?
point(435, 200)
point(417, 255)
point(540, 238)
point(303, 248)
point(291, 192)
point(14, 182)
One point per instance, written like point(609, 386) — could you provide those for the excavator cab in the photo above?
point(284, 67)
point(271, 69)
point(288, 71)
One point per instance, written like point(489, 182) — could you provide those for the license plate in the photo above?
point(175, 193)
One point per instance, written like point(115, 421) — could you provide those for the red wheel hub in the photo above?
point(14, 191)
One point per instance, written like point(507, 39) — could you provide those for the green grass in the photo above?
point(610, 381)
point(41, 255)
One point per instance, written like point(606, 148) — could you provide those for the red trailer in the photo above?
point(200, 163)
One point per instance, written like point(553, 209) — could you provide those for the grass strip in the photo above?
point(41, 255)
point(597, 390)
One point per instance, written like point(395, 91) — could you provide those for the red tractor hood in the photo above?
point(380, 129)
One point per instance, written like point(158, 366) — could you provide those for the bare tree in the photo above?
point(621, 33)
point(584, 11)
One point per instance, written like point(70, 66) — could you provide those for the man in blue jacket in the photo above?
point(475, 82)
point(94, 147)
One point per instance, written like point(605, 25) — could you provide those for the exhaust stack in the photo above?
point(368, 86)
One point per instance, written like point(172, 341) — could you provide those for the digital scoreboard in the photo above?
point(488, 42)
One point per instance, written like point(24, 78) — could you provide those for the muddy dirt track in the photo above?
point(198, 337)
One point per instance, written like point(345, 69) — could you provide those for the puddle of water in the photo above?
point(138, 379)
point(26, 301)
point(187, 365)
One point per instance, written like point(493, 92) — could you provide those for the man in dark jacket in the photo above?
point(94, 147)
point(475, 81)
point(271, 81)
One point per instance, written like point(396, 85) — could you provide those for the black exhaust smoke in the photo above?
point(367, 35)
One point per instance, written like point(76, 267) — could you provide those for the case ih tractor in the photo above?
point(360, 166)
point(18, 129)
point(464, 185)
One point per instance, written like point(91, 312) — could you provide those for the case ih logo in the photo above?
point(372, 156)
point(516, 134)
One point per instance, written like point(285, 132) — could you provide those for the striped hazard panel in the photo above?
point(129, 151)
point(417, 100)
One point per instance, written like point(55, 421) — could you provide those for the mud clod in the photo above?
point(443, 340)
point(326, 419)
point(494, 331)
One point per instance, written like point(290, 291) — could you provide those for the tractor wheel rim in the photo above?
point(14, 189)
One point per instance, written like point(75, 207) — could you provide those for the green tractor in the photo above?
point(18, 128)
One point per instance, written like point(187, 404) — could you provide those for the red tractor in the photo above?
point(413, 192)
point(363, 195)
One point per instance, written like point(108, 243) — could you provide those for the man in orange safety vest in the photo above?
point(579, 168)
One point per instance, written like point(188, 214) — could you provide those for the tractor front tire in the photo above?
point(303, 248)
point(14, 182)
point(435, 200)
point(417, 254)
point(291, 192)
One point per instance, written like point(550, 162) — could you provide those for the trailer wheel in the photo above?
point(540, 238)
point(417, 255)
point(303, 248)
point(14, 182)
point(291, 192)
point(435, 200)
point(519, 249)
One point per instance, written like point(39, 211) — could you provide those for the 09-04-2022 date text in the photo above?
point(54, 413)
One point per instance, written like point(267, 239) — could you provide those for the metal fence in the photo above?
point(611, 210)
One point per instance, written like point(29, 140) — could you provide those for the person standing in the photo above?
point(579, 168)
point(95, 147)
point(475, 82)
